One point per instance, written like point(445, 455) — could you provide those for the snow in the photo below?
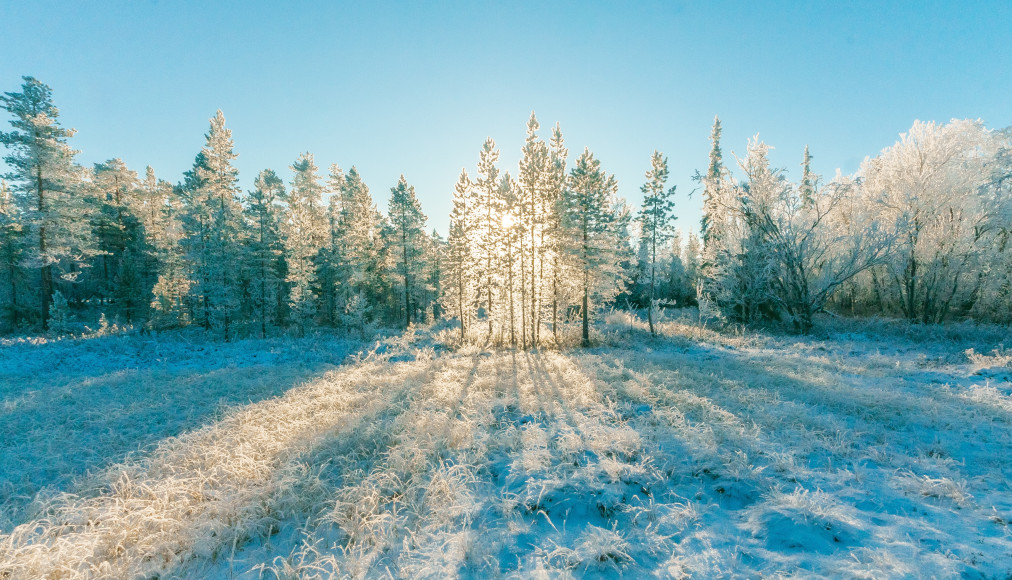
point(872, 450)
point(71, 406)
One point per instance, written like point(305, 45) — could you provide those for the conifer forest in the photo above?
point(749, 368)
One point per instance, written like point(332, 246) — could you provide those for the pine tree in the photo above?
point(590, 235)
point(305, 232)
point(12, 249)
point(214, 229)
point(46, 184)
point(163, 226)
point(487, 223)
point(332, 272)
point(533, 183)
point(435, 263)
point(408, 224)
point(362, 248)
point(553, 220)
point(509, 255)
point(655, 221)
point(120, 235)
point(265, 215)
point(129, 292)
point(459, 297)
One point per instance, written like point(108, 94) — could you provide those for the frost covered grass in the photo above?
point(71, 406)
point(700, 453)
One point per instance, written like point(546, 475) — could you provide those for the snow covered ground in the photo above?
point(70, 406)
point(871, 451)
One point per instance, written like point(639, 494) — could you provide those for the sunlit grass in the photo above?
point(704, 452)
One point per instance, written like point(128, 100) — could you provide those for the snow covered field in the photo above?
point(69, 406)
point(871, 451)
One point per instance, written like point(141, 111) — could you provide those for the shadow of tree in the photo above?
point(74, 407)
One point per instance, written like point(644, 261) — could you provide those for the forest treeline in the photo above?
point(921, 231)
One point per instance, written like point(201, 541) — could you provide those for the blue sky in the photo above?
point(415, 88)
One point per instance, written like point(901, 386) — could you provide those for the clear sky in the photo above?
point(415, 87)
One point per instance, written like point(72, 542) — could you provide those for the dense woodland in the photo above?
point(922, 231)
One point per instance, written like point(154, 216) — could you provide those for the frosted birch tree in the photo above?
point(929, 190)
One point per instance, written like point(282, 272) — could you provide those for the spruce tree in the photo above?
point(716, 185)
point(676, 289)
point(690, 258)
point(711, 182)
point(809, 181)
point(129, 292)
point(626, 253)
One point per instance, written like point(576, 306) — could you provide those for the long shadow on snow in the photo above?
point(348, 454)
point(908, 423)
point(846, 404)
point(560, 501)
point(75, 423)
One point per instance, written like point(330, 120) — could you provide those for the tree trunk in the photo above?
point(12, 271)
point(460, 301)
point(509, 258)
point(407, 280)
point(586, 308)
point(555, 299)
point(653, 275)
point(47, 274)
point(523, 284)
point(586, 284)
point(534, 300)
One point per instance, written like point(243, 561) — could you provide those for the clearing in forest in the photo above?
point(711, 455)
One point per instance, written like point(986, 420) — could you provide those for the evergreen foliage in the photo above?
point(46, 184)
point(921, 231)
